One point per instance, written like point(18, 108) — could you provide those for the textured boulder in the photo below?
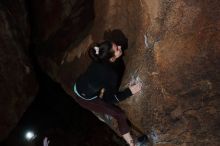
point(29, 27)
point(17, 79)
point(58, 25)
point(173, 50)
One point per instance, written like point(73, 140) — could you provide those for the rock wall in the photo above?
point(43, 28)
point(56, 26)
point(173, 50)
point(18, 85)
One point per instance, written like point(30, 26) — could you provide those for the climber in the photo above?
point(97, 88)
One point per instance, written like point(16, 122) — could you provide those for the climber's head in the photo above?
point(105, 51)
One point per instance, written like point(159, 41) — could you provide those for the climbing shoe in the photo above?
point(142, 141)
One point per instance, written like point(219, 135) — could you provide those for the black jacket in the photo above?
point(103, 75)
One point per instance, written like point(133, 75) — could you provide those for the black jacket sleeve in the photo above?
point(111, 79)
point(112, 96)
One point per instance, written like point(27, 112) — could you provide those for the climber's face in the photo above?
point(117, 52)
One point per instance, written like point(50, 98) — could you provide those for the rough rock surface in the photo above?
point(174, 50)
point(41, 24)
point(17, 79)
point(55, 25)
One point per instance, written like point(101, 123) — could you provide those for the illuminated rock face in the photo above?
point(173, 49)
point(17, 79)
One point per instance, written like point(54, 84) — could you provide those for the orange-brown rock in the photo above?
point(173, 49)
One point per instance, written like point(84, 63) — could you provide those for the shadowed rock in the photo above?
point(18, 85)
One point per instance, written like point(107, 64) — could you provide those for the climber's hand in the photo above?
point(135, 88)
